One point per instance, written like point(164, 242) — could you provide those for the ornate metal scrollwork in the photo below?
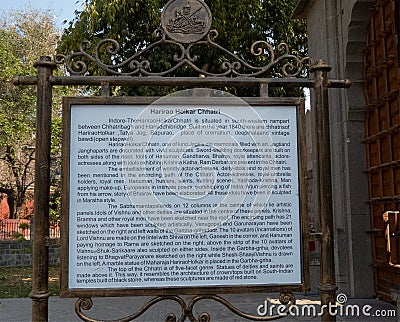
point(185, 24)
point(86, 304)
point(285, 298)
point(138, 65)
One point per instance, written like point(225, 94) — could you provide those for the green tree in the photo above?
point(16, 126)
point(239, 24)
point(24, 37)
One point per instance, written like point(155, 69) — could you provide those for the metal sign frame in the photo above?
point(296, 103)
point(136, 71)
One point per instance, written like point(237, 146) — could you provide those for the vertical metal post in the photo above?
point(40, 262)
point(327, 286)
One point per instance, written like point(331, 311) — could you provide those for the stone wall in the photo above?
point(19, 253)
point(336, 33)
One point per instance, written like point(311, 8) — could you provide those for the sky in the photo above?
point(62, 9)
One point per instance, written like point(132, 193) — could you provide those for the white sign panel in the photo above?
point(171, 196)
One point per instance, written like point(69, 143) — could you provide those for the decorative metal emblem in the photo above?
point(186, 21)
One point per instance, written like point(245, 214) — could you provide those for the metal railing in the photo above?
point(14, 229)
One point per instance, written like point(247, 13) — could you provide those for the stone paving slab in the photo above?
point(62, 310)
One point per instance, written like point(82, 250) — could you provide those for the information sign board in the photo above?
point(169, 196)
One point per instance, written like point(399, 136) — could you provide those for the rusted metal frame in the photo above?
point(173, 81)
point(39, 293)
point(186, 312)
point(183, 81)
point(65, 198)
point(285, 298)
point(87, 303)
point(304, 197)
point(335, 83)
point(105, 89)
point(186, 291)
point(327, 286)
point(264, 89)
point(45, 81)
point(48, 66)
point(170, 81)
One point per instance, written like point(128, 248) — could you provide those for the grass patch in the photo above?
point(16, 282)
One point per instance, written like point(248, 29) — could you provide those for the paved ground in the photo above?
point(19, 310)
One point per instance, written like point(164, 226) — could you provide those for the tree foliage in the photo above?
point(24, 37)
point(239, 24)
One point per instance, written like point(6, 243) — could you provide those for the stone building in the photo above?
point(359, 40)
